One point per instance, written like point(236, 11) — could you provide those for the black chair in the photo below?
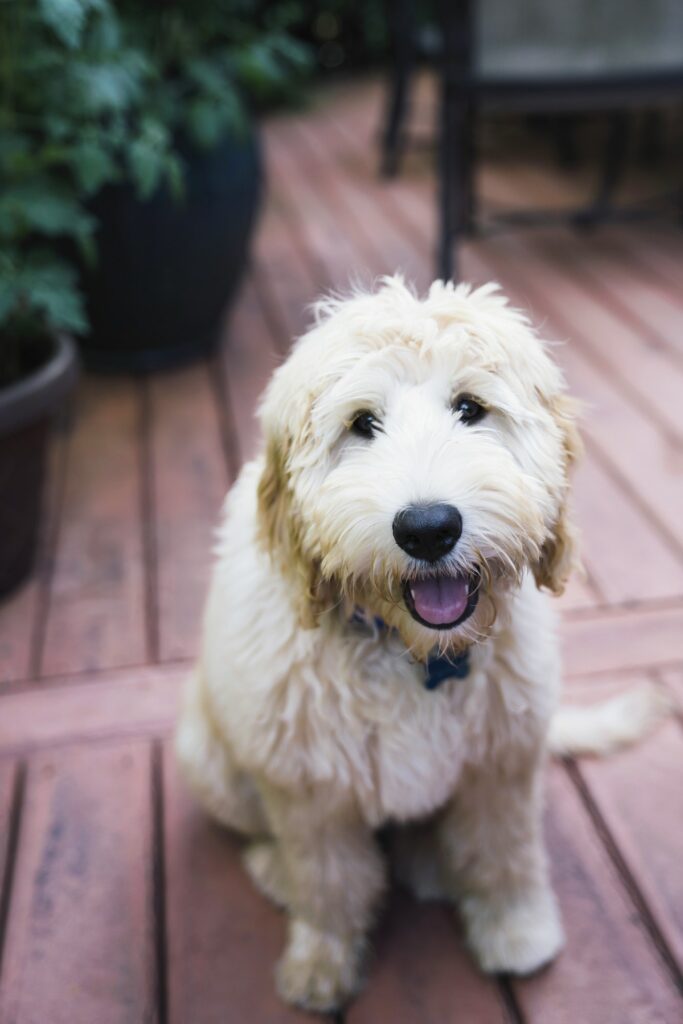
point(534, 56)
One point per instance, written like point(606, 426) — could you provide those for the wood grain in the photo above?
point(9, 774)
point(629, 639)
point(248, 356)
point(128, 701)
point(422, 974)
point(96, 615)
point(639, 796)
point(21, 613)
point(79, 945)
point(609, 972)
point(189, 482)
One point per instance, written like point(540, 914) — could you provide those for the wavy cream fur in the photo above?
point(306, 731)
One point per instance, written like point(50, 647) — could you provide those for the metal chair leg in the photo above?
point(613, 165)
point(402, 16)
point(392, 145)
point(447, 181)
point(456, 177)
point(456, 183)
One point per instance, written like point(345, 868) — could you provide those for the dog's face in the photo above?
point(416, 461)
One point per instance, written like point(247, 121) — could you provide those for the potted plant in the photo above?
point(173, 234)
point(54, 150)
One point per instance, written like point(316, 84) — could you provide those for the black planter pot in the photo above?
point(26, 409)
point(167, 268)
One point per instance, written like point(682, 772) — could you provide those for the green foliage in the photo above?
point(94, 93)
point(43, 286)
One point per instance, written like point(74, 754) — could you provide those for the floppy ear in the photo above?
point(559, 553)
point(280, 530)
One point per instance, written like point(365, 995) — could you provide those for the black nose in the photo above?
point(427, 531)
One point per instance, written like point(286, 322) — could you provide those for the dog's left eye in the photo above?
point(364, 424)
point(469, 409)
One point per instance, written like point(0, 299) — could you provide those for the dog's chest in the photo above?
point(412, 745)
point(414, 770)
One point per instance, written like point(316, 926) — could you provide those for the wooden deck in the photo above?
point(119, 902)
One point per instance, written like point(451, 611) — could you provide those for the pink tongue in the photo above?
point(441, 599)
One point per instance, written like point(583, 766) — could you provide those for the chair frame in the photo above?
point(463, 94)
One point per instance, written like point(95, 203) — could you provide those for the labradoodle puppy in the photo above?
point(377, 645)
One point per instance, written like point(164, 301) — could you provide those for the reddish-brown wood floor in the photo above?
point(119, 902)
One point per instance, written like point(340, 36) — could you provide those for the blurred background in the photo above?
point(178, 182)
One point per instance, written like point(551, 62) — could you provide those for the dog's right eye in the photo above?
point(364, 424)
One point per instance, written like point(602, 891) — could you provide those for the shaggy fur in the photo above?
point(306, 729)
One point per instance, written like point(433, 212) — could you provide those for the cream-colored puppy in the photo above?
point(376, 646)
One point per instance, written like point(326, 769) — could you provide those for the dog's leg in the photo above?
point(493, 854)
point(335, 875)
point(264, 864)
point(228, 794)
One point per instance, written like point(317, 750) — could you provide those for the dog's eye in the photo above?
point(364, 424)
point(469, 409)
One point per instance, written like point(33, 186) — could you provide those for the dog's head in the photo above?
point(416, 461)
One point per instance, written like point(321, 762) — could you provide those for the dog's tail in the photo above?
point(600, 729)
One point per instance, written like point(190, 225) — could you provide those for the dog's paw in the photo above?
point(264, 866)
point(318, 971)
point(514, 938)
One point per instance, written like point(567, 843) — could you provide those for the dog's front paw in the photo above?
point(318, 971)
point(516, 937)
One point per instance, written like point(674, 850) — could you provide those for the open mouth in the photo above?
point(442, 601)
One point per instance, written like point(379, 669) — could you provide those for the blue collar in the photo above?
point(438, 667)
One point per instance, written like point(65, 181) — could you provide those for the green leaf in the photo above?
point(42, 285)
point(66, 18)
point(93, 166)
point(147, 157)
point(62, 304)
point(39, 207)
point(106, 86)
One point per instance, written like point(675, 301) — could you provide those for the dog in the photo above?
point(377, 645)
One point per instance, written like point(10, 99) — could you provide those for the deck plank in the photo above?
point(638, 794)
point(611, 639)
point(638, 296)
point(79, 944)
point(189, 481)
point(609, 972)
point(421, 973)
point(21, 613)
point(674, 682)
point(248, 356)
point(223, 936)
point(9, 773)
point(18, 623)
point(611, 528)
point(575, 296)
point(380, 245)
point(279, 271)
point(97, 616)
point(312, 217)
point(141, 700)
